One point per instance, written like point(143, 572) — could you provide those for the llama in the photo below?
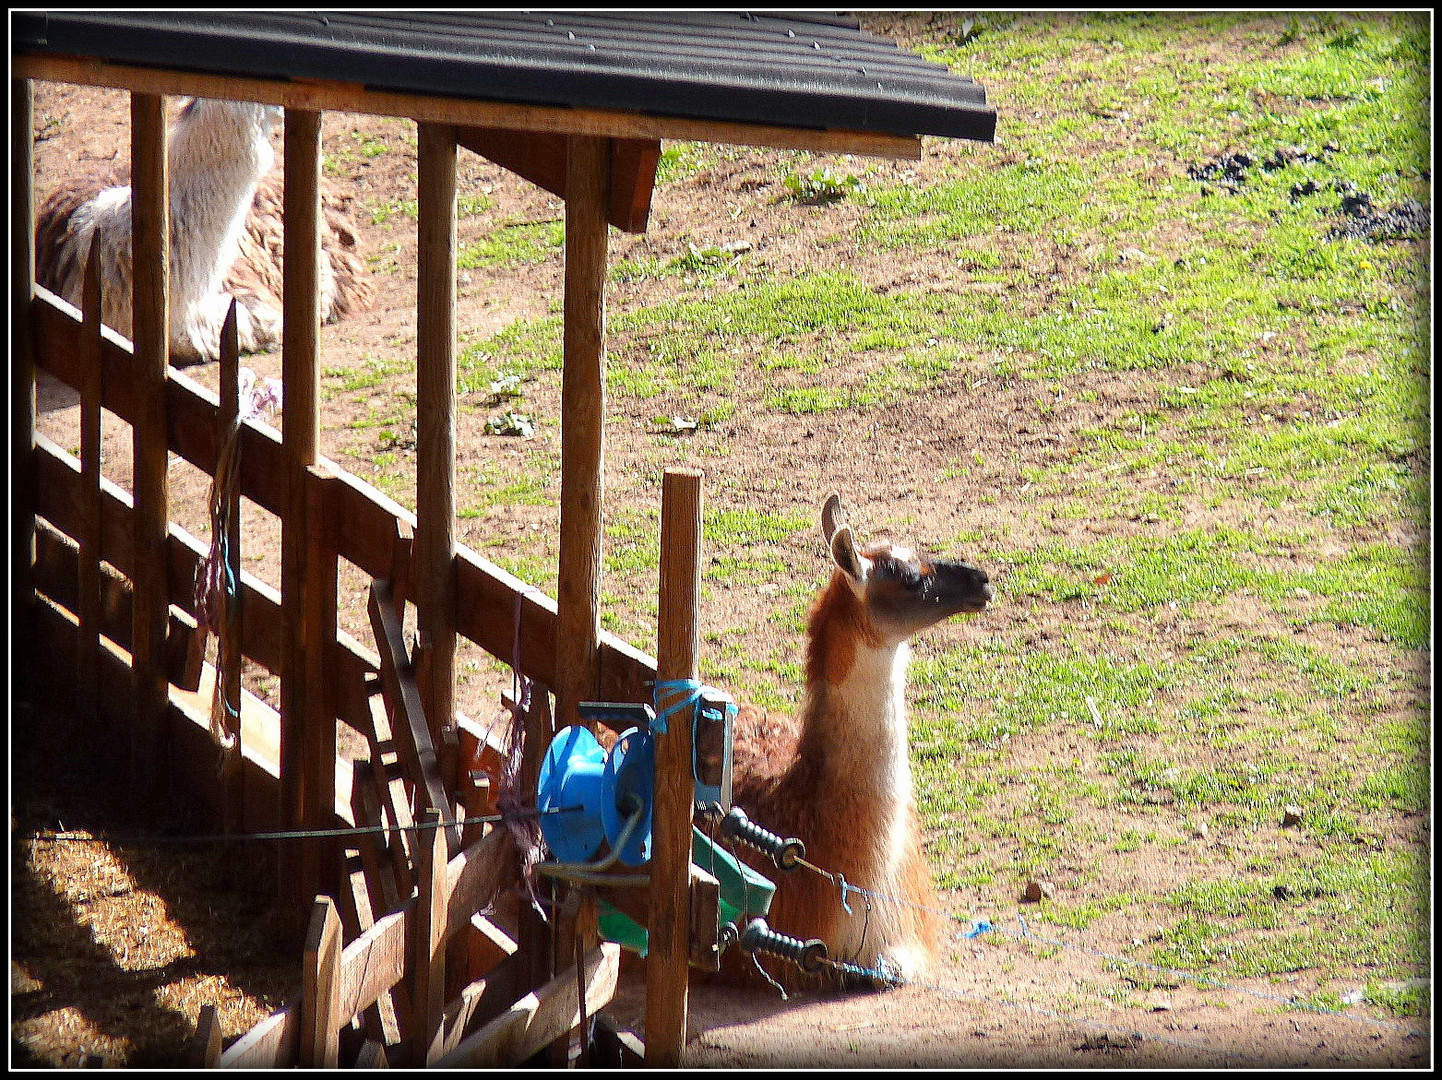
point(838, 776)
point(225, 236)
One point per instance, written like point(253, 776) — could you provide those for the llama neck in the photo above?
point(218, 153)
point(854, 712)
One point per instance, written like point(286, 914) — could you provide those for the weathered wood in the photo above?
point(583, 410)
point(352, 97)
point(436, 431)
point(88, 536)
point(428, 938)
point(205, 1044)
point(542, 1016)
point(677, 659)
point(302, 728)
point(273, 1043)
point(22, 383)
point(320, 1015)
point(541, 159)
point(372, 1056)
point(150, 240)
point(403, 704)
point(228, 646)
point(486, 595)
point(318, 636)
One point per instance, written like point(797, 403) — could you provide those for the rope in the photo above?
point(691, 688)
point(217, 599)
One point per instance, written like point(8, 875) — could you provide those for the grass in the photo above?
point(1244, 623)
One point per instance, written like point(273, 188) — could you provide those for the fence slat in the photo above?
point(543, 1016)
point(320, 1018)
point(205, 1045)
point(428, 938)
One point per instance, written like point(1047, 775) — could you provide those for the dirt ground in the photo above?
point(112, 953)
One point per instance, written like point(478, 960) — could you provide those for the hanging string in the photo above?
point(217, 594)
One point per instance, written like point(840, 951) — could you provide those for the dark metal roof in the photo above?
point(802, 70)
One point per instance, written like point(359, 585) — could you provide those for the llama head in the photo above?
point(252, 114)
point(902, 591)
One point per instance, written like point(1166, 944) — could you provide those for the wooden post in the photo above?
point(22, 383)
point(436, 438)
point(583, 411)
point(87, 610)
point(228, 650)
point(676, 658)
point(320, 985)
point(307, 787)
point(428, 954)
point(150, 240)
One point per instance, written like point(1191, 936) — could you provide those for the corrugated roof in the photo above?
point(801, 70)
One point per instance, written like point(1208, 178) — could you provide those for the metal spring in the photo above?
point(759, 937)
point(786, 854)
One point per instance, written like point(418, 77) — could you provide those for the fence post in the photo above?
point(428, 954)
point(22, 385)
point(92, 389)
point(307, 791)
point(435, 548)
point(150, 241)
point(676, 658)
point(320, 981)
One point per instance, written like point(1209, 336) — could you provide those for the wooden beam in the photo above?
point(541, 158)
point(353, 97)
point(677, 649)
point(305, 797)
point(435, 538)
point(150, 240)
point(583, 411)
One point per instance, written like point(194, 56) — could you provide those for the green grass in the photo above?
point(1214, 599)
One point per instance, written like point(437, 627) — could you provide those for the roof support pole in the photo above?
point(435, 549)
point(22, 382)
point(150, 239)
point(307, 738)
point(583, 409)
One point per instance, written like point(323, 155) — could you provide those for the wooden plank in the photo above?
point(271, 1044)
point(486, 595)
point(320, 976)
point(22, 383)
point(583, 410)
point(428, 938)
point(372, 1056)
point(205, 1044)
point(542, 1016)
point(228, 646)
point(302, 729)
point(435, 542)
point(88, 536)
point(403, 704)
point(150, 240)
point(541, 159)
point(352, 97)
point(677, 651)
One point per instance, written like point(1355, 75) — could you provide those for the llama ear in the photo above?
point(844, 554)
point(832, 516)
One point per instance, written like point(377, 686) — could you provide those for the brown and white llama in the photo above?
point(225, 231)
point(838, 776)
